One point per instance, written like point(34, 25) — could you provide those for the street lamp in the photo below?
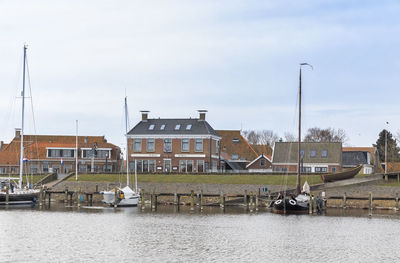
point(386, 132)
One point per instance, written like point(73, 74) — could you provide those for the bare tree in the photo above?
point(325, 135)
point(289, 137)
point(268, 137)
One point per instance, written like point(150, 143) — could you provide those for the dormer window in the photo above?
point(313, 153)
point(177, 127)
point(324, 153)
point(151, 127)
point(162, 127)
point(188, 127)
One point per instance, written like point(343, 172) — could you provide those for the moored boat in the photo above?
point(347, 174)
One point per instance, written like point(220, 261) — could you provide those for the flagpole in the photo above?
point(76, 153)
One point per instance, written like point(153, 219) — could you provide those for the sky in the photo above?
point(237, 59)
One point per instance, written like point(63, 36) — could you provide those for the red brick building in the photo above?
point(173, 145)
point(57, 153)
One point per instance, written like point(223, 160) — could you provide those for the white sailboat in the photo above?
point(18, 195)
point(125, 196)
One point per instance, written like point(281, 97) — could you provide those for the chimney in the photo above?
point(145, 114)
point(1, 145)
point(202, 114)
point(17, 132)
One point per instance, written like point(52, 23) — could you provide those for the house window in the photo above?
point(151, 127)
point(177, 127)
point(235, 156)
point(321, 169)
point(277, 169)
point(150, 145)
point(324, 154)
point(200, 166)
point(188, 127)
point(162, 127)
point(262, 162)
point(2, 170)
point(45, 167)
point(313, 153)
point(305, 169)
point(333, 169)
point(284, 169)
point(152, 166)
point(185, 145)
point(189, 166)
point(216, 147)
point(235, 140)
point(167, 145)
point(137, 145)
point(145, 166)
point(302, 153)
point(182, 165)
point(198, 147)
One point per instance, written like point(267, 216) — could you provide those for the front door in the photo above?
point(167, 165)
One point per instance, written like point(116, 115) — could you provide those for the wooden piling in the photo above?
point(66, 196)
point(397, 202)
point(142, 199)
point(370, 200)
point(155, 202)
point(115, 197)
point(245, 203)
point(256, 203)
point(175, 198)
point(152, 199)
point(222, 200)
point(344, 201)
point(41, 196)
point(315, 204)
point(201, 199)
point(398, 177)
point(198, 199)
point(191, 200)
point(49, 195)
point(251, 199)
point(310, 205)
point(7, 195)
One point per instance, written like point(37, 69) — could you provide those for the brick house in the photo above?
point(173, 145)
point(354, 156)
point(56, 153)
point(317, 157)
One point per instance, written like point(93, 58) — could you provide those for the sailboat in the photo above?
point(300, 202)
point(18, 195)
point(125, 196)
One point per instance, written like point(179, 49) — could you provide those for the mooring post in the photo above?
point(245, 198)
point(152, 200)
point(370, 201)
point(175, 198)
point(201, 199)
point(222, 200)
point(49, 197)
point(155, 201)
point(41, 196)
point(344, 201)
point(315, 204)
point(310, 204)
point(8, 194)
point(397, 202)
point(66, 196)
point(192, 200)
point(256, 203)
point(70, 198)
point(198, 199)
point(142, 198)
point(115, 197)
point(97, 188)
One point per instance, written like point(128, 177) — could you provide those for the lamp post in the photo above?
point(386, 148)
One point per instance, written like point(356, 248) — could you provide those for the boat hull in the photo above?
point(288, 205)
point(348, 174)
point(109, 199)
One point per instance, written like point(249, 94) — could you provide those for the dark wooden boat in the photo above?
point(289, 205)
point(348, 174)
point(20, 197)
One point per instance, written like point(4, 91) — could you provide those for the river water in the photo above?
point(99, 234)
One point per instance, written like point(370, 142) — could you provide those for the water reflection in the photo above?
point(233, 234)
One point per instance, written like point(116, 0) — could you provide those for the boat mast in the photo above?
point(21, 159)
point(299, 140)
point(127, 145)
point(76, 152)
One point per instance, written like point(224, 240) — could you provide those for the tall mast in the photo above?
point(127, 145)
point(299, 140)
point(21, 159)
point(76, 152)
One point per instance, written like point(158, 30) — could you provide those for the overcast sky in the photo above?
point(237, 59)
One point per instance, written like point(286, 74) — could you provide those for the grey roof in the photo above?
point(354, 158)
point(198, 127)
point(287, 152)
